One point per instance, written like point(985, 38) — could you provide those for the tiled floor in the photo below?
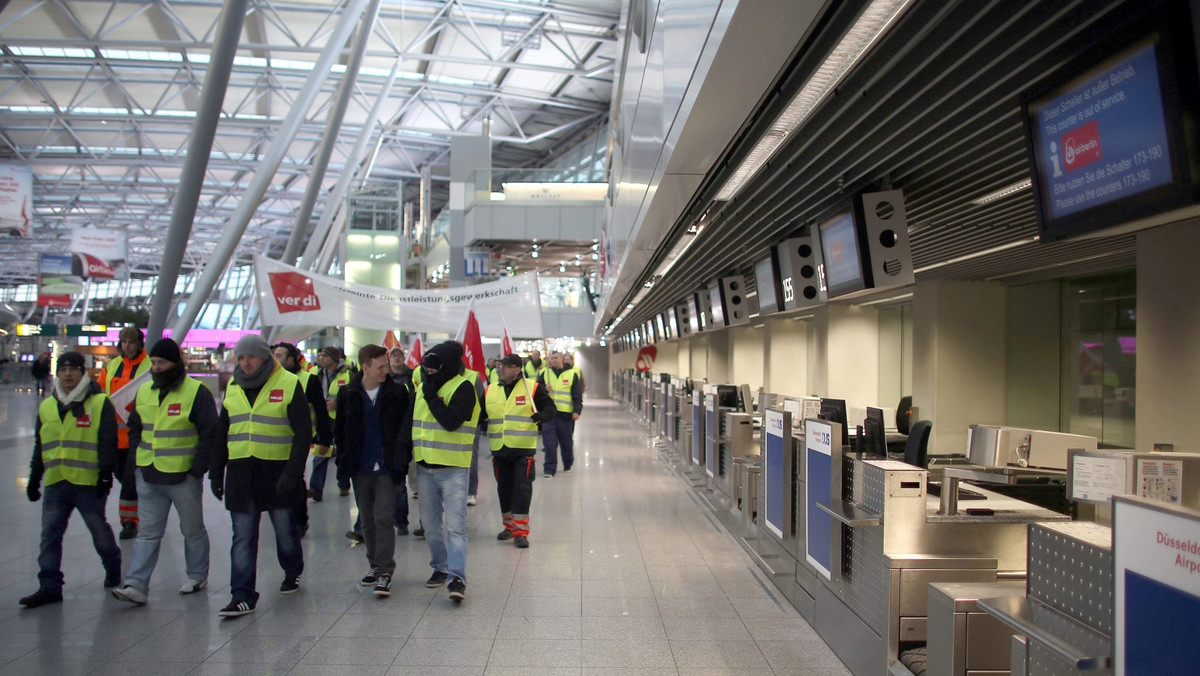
point(626, 574)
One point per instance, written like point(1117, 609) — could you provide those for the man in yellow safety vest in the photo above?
point(446, 415)
point(567, 391)
point(267, 429)
point(172, 436)
point(516, 406)
point(74, 451)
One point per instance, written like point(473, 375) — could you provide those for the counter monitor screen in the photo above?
point(766, 281)
point(841, 256)
point(834, 411)
point(874, 439)
point(718, 305)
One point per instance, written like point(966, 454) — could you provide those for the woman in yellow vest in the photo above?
point(516, 406)
point(267, 429)
point(445, 417)
point(172, 435)
point(74, 452)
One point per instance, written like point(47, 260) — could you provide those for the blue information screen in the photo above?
point(1158, 640)
point(1104, 138)
point(773, 469)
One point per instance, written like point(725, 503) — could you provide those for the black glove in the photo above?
point(218, 488)
point(428, 388)
point(286, 484)
point(31, 488)
point(104, 484)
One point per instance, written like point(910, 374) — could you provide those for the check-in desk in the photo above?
point(964, 640)
point(737, 441)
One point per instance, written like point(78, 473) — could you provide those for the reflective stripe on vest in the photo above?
point(168, 436)
point(70, 445)
point(339, 381)
point(510, 418)
point(262, 431)
point(435, 444)
point(560, 389)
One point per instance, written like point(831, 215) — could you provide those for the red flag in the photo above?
point(472, 343)
point(413, 360)
point(389, 340)
point(506, 343)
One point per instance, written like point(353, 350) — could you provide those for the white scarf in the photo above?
point(78, 394)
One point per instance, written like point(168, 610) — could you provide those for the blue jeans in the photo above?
point(444, 500)
point(243, 557)
point(560, 431)
point(154, 504)
point(58, 501)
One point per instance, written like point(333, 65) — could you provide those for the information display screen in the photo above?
point(840, 256)
point(766, 281)
point(1108, 146)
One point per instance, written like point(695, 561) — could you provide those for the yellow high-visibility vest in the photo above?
point(70, 445)
point(169, 438)
point(435, 444)
point(510, 420)
point(339, 381)
point(560, 389)
point(263, 430)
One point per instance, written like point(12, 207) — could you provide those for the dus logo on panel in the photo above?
point(293, 292)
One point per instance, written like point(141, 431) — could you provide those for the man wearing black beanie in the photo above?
point(172, 436)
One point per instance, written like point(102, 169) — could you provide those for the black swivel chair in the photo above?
point(904, 415)
point(916, 450)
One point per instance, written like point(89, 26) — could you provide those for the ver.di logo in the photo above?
point(293, 292)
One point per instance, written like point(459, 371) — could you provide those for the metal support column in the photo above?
point(191, 181)
point(236, 226)
point(332, 127)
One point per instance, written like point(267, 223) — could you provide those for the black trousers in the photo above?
point(514, 482)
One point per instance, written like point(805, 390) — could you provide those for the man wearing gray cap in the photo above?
point(74, 450)
point(266, 430)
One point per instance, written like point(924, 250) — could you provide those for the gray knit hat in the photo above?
point(252, 343)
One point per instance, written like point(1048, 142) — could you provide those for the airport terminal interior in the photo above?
point(884, 310)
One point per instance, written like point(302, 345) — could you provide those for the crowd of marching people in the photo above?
point(388, 427)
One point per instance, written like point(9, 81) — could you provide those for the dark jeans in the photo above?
point(320, 467)
point(58, 501)
point(375, 495)
point(514, 484)
point(243, 557)
point(559, 432)
point(399, 515)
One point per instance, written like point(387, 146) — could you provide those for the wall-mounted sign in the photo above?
point(49, 330)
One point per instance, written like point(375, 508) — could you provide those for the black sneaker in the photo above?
point(521, 542)
point(384, 586)
point(458, 589)
point(128, 530)
point(371, 577)
point(42, 597)
point(437, 579)
point(290, 585)
point(505, 534)
point(401, 530)
point(419, 533)
point(353, 536)
point(566, 470)
point(112, 579)
point(236, 609)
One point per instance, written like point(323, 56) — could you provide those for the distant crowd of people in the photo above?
point(377, 419)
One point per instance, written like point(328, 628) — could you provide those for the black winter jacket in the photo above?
point(395, 420)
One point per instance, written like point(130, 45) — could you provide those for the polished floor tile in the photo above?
point(628, 573)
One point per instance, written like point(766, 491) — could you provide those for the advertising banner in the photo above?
point(100, 252)
point(57, 275)
point(289, 296)
point(16, 199)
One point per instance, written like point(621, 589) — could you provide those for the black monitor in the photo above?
point(727, 396)
point(874, 439)
point(845, 267)
point(834, 410)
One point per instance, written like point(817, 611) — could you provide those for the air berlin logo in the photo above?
point(293, 292)
point(174, 409)
point(95, 268)
point(1081, 145)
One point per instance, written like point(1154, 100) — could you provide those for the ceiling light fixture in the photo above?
point(874, 21)
point(1003, 192)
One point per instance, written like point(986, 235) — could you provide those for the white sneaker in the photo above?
point(192, 586)
point(471, 500)
point(128, 593)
